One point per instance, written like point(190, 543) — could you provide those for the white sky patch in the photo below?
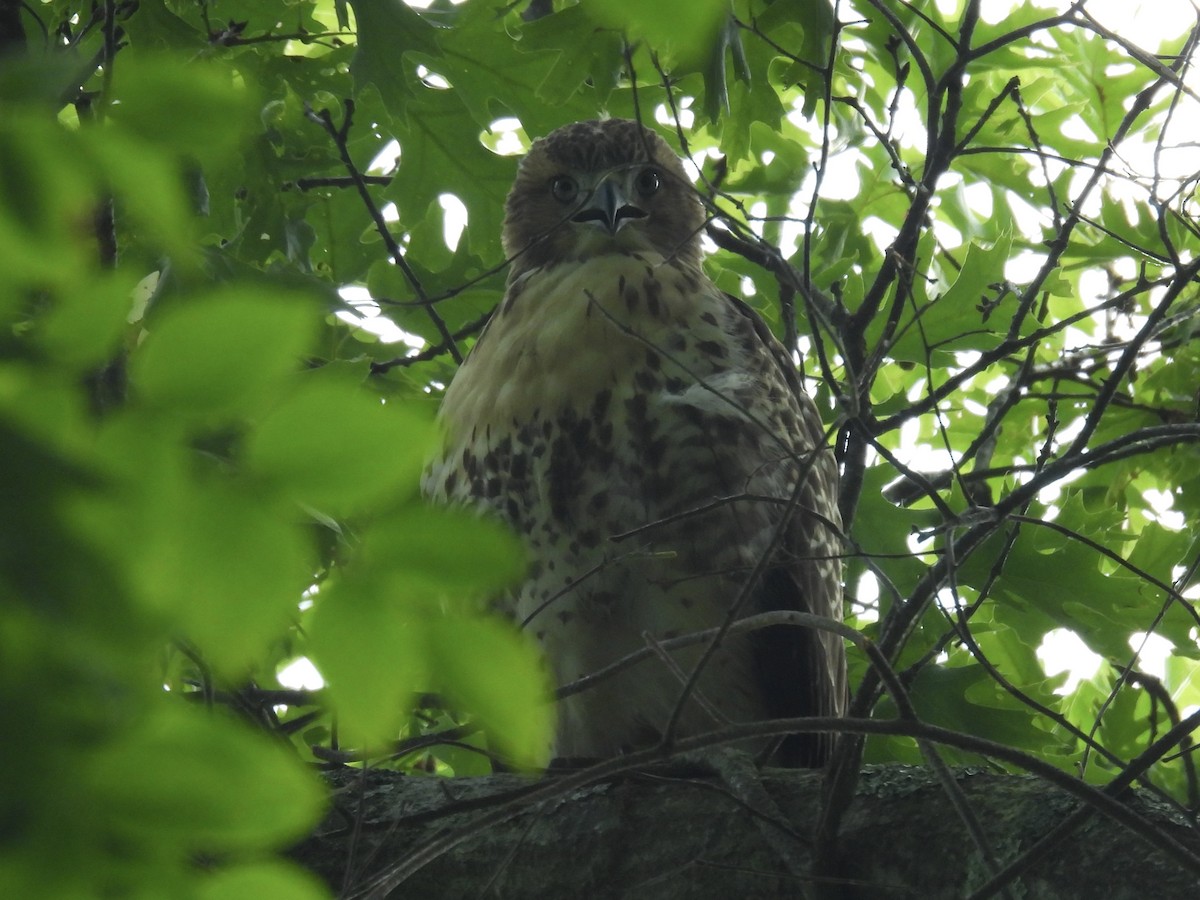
point(454, 219)
point(867, 596)
point(811, 127)
point(998, 383)
point(964, 359)
point(432, 79)
point(881, 232)
point(756, 213)
point(1028, 219)
point(506, 137)
point(1146, 23)
point(908, 123)
point(842, 180)
point(1153, 651)
point(974, 407)
point(366, 314)
point(948, 236)
point(919, 543)
point(1062, 650)
point(1051, 493)
point(1023, 268)
point(791, 231)
point(687, 118)
point(300, 675)
point(386, 159)
point(946, 600)
point(980, 199)
point(1162, 509)
point(1075, 128)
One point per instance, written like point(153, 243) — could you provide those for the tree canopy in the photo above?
point(243, 246)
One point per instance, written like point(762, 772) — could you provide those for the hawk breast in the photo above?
point(625, 417)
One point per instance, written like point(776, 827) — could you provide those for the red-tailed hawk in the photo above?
point(644, 433)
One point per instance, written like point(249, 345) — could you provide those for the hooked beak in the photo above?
point(608, 207)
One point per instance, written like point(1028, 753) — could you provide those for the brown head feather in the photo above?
point(538, 229)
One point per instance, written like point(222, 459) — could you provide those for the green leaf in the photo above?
point(818, 20)
point(262, 881)
point(715, 87)
point(180, 511)
point(386, 281)
point(370, 645)
point(881, 530)
point(752, 99)
point(1050, 581)
point(387, 32)
point(197, 109)
point(152, 187)
point(441, 152)
point(223, 354)
point(454, 552)
point(586, 57)
point(967, 315)
point(187, 781)
point(967, 698)
point(217, 564)
point(231, 610)
point(466, 757)
point(83, 326)
point(43, 187)
point(677, 29)
point(494, 672)
point(482, 63)
point(334, 446)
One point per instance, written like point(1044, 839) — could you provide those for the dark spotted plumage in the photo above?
point(644, 432)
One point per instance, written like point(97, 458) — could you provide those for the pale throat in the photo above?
point(576, 328)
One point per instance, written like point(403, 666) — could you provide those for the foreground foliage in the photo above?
point(981, 236)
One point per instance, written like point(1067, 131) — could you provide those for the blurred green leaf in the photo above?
point(221, 355)
point(150, 92)
point(44, 192)
point(428, 543)
point(334, 446)
point(371, 647)
point(469, 654)
point(261, 881)
point(233, 609)
point(186, 780)
point(83, 327)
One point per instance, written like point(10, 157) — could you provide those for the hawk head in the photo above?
point(598, 187)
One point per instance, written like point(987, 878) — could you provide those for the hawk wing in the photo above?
point(802, 673)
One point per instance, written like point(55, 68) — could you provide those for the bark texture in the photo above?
point(677, 837)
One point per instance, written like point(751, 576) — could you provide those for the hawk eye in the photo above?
point(564, 188)
point(648, 181)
